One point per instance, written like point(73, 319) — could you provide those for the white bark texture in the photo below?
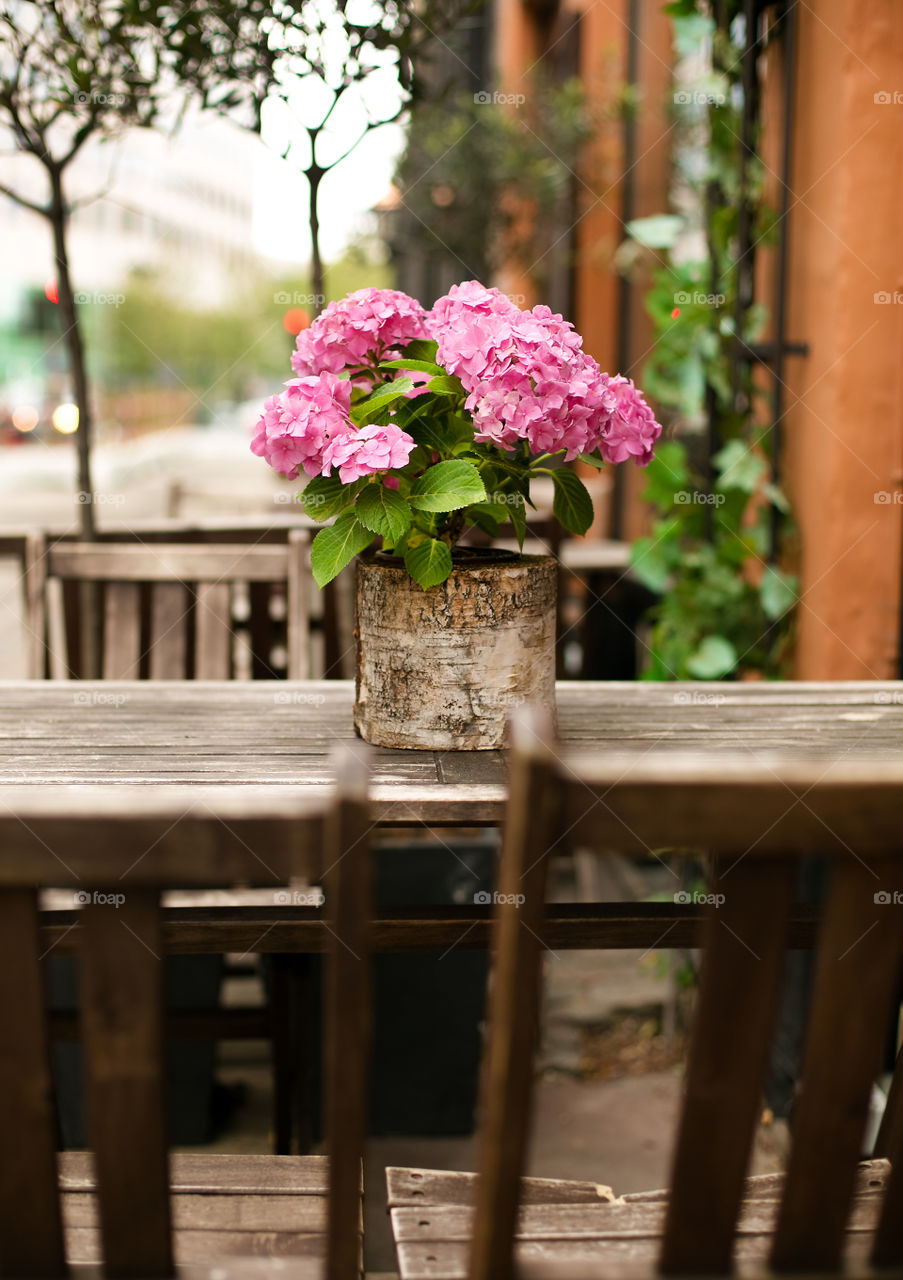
point(440, 670)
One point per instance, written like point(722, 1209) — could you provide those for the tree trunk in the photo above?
point(314, 176)
point(59, 218)
point(89, 623)
point(440, 670)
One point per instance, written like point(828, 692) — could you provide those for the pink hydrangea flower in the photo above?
point(367, 451)
point(633, 429)
point(367, 326)
point(528, 378)
point(297, 425)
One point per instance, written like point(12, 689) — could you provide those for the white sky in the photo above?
point(356, 185)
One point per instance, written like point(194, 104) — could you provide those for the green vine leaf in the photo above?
point(714, 658)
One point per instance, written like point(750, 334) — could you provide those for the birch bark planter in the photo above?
point(440, 670)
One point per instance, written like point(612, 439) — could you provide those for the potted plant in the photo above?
point(413, 427)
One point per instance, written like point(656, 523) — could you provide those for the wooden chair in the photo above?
point(167, 607)
point(756, 817)
point(168, 615)
point(129, 1204)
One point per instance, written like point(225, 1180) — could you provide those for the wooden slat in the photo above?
point(229, 1175)
point(34, 582)
point(164, 562)
point(122, 631)
point(507, 1080)
point(739, 986)
point(418, 1188)
point(31, 1239)
point(890, 1132)
point(298, 604)
point(170, 847)
point(751, 804)
point(59, 667)
point(122, 1017)
point(168, 644)
point(856, 976)
point(299, 1215)
point(213, 631)
point(348, 885)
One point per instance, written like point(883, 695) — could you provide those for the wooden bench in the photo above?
point(127, 1203)
point(757, 821)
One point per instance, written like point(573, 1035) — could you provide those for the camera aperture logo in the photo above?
point(485, 899)
point(299, 898)
point(687, 898)
point(97, 899)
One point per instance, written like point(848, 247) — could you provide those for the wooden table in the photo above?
point(239, 746)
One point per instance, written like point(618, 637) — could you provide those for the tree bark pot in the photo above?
point(440, 670)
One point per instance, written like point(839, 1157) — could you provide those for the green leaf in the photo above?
point(366, 410)
point(572, 505)
point(650, 561)
point(429, 563)
point(714, 658)
point(383, 511)
point(447, 486)
point(777, 591)
point(658, 232)
point(337, 546)
point(421, 349)
point(740, 467)
point(422, 366)
point(326, 496)
point(445, 385)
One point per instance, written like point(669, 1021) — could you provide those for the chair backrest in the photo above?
point(118, 854)
point(168, 609)
point(757, 817)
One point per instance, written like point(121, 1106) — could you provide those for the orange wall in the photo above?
point(844, 420)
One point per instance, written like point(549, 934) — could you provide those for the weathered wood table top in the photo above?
point(247, 742)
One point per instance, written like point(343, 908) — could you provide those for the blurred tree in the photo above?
point(527, 150)
point(71, 70)
point(221, 354)
point(308, 62)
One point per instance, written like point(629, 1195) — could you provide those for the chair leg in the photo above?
point(281, 1045)
point(290, 1009)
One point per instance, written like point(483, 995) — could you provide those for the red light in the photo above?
point(51, 292)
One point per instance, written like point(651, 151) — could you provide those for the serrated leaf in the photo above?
point(384, 511)
point(572, 505)
point(326, 496)
point(333, 548)
point(421, 349)
point(429, 563)
point(445, 385)
point(777, 591)
point(421, 366)
point(447, 486)
point(714, 658)
point(365, 410)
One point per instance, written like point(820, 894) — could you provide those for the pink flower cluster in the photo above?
point(528, 378)
point(367, 326)
point(526, 375)
point(307, 426)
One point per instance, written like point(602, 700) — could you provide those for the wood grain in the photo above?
point(531, 832)
point(122, 1019)
point(31, 1240)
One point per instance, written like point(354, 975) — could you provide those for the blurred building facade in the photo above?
point(841, 404)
